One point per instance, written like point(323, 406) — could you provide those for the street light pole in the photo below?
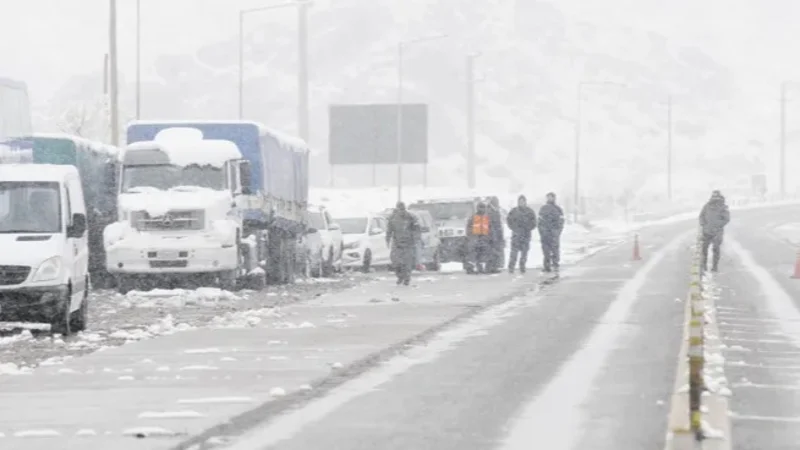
point(669, 148)
point(399, 150)
point(302, 70)
point(113, 87)
point(138, 60)
point(782, 159)
point(578, 120)
point(471, 120)
point(241, 64)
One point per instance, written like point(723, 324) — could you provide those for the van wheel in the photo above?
point(60, 322)
point(367, 261)
point(227, 280)
point(124, 284)
point(80, 318)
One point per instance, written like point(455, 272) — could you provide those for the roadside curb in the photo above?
point(700, 340)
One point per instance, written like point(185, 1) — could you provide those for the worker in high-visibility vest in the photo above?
point(479, 235)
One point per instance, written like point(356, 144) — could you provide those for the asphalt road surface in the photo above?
point(588, 362)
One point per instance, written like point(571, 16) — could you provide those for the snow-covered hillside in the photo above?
point(534, 55)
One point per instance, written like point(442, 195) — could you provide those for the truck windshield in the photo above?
point(29, 207)
point(166, 177)
point(446, 211)
point(353, 225)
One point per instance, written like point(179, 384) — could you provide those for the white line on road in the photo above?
point(289, 425)
point(552, 419)
point(777, 299)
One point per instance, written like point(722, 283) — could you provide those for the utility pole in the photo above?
point(471, 121)
point(112, 51)
point(669, 148)
point(782, 163)
point(138, 60)
point(241, 64)
point(399, 121)
point(578, 120)
point(302, 69)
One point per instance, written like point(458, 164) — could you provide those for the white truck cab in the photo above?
point(44, 262)
point(178, 212)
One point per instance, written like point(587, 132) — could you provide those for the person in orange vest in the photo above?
point(480, 240)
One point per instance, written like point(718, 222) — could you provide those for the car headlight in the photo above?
point(48, 270)
point(351, 245)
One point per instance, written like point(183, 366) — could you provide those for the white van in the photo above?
point(44, 273)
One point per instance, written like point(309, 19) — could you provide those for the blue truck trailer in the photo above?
point(274, 184)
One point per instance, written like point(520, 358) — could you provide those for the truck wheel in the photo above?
point(227, 280)
point(367, 261)
point(290, 255)
point(327, 267)
point(59, 322)
point(80, 318)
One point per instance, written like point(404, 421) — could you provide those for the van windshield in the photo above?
point(165, 177)
point(29, 207)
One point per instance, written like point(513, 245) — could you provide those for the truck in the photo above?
point(97, 165)
point(224, 201)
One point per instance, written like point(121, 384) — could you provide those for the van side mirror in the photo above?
point(246, 177)
point(78, 226)
point(311, 230)
point(334, 227)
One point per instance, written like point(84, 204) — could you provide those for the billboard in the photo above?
point(367, 134)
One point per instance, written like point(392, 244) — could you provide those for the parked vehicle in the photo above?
point(324, 241)
point(364, 241)
point(226, 198)
point(44, 273)
point(450, 216)
point(97, 165)
point(428, 249)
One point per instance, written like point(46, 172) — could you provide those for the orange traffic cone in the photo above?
point(797, 266)
point(636, 253)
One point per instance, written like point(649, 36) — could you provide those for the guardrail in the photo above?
point(698, 416)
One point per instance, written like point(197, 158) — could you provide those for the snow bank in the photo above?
point(178, 297)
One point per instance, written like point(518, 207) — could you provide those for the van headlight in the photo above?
point(48, 270)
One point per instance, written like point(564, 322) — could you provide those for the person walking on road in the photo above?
point(401, 234)
point(522, 222)
point(479, 240)
point(713, 219)
point(551, 224)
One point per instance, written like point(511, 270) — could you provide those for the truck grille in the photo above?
point(11, 275)
point(171, 221)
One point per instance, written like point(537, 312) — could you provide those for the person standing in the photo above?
point(497, 237)
point(713, 218)
point(551, 224)
point(522, 222)
point(479, 240)
point(401, 234)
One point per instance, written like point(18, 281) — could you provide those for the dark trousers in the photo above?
point(522, 248)
point(714, 241)
point(551, 251)
point(480, 254)
point(403, 259)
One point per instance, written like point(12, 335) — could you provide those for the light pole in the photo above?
point(669, 148)
point(138, 60)
point(113, 88)
point(782, 164)
point(578, 120)
point(471, 119)
point(302, 75)
point(400, 46)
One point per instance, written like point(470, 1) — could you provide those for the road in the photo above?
point(455, 362)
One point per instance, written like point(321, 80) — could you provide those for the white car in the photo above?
point(324, 242)
point(364, 241)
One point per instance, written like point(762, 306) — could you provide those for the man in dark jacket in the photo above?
point(498, 240)
point(713, 218)
point(479, 240)
point(551, 224)
point(401, 233)
point(522, 222)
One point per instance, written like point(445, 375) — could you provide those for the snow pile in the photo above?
point(13, 369)
point(245, 319)
point(790, 232)
point(164, 326)
point(25, 335)
point(177, 298)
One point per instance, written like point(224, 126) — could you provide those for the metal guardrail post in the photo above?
point(696, 328)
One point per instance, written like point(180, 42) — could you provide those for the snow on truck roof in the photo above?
point(94, 146)
point(211, 152)
point(296, 142)
point(36, 172)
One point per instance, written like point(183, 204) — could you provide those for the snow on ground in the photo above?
point(790, 232)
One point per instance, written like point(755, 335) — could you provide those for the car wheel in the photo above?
point(80, 318)
point(367, 261)
point(327, 267)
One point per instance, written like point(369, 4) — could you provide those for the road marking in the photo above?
point(735, 416)
point(777, 299)
point(553, 418)
point(293, 423)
